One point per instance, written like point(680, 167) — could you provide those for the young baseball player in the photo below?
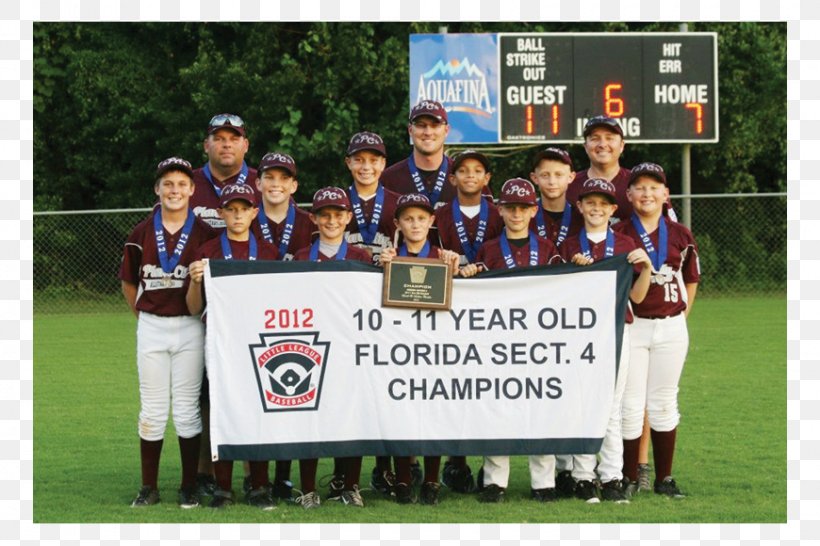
point(237, 208)
point(414, 218)
point(556, 218)
point(331, 213)
point(225, 144)
point(597, 241)
point(279, 221)
point(465, 223)
point(170, 342)
point(659, 338)
point(372, 226)
point(517, 246)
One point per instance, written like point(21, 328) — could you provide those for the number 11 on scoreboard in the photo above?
point(529, 116)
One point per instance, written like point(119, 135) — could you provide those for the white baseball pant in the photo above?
point(170, 361)
point(542, 471)
point(658, 351)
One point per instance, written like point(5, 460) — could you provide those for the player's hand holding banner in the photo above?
point(305, 362)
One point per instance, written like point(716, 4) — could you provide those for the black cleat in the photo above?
point(565, 484)
point(492, 493)
point(382, 481)
point(429, 493)
point(587, 492)
point(188, 497)
point(613, 491)
point(548, 494)
point(403, 493)
point(458, 479)
point(669, 488)
point(221, 499)
point(147, 496)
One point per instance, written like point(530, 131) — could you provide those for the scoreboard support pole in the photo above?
point(686, 170)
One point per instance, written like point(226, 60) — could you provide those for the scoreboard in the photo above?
point(661, 87)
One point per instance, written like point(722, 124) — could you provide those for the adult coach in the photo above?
point(427, 169)
point(225, 144)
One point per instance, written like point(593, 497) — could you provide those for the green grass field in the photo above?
point(730, 459)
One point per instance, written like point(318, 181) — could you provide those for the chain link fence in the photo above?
point(741, 238)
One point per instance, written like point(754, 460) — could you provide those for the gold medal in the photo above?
point(166, 281)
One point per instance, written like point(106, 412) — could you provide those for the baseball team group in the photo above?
point(426, 205)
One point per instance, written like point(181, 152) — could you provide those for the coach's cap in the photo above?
point(226, 121)
point(602, 121)
point(174, 164)
point(413, 200)
point(652, 170)
point(517, 191)
point(276, 160)
point(430, 108)
point(471, 154)
point(554, 154)
point(598, 185)
point(330, 197)
point(232, 192)
point(366, 141)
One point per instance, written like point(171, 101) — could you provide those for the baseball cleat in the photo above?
point(458, 479)
point(492, 493)
point(221, 499)
point(669, 488)
point(382, 481)
point(403, 493)
point(429, 493)
point(309, 500)
point(206, 484)
point(548, 494)
point(147, 496)
point(587, 492)
point(188, 497)
point(643, 477)
point(613, 491)
point(565, 484)
point(352, 497)
point(261, 498)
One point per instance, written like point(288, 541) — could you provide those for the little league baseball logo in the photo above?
point(289, 370)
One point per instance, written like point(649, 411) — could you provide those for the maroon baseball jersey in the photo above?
point(205, 201)
point(491, 256)
point(621, 182)
point(623, 245)
point(396, 178)
point(353, 253)
point(301, 236)
point(667, 290)
point(444, 231)
point(385, 231)
point(141, 267)
point(553, 223)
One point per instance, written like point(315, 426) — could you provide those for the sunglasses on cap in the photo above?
point(226, 119)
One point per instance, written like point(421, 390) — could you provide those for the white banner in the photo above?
point(304, 362)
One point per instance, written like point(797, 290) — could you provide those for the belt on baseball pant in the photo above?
point(661, 318)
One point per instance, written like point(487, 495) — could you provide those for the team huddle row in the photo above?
point(427, 205)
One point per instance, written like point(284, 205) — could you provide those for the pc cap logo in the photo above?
point(174, 164)
point(290, 369)
point(430, 108)
point(330, 197)
point(653, 170)
point(598, 185)
point(273, 160)
point(232, 192)
point(366, 141)
point(517, 191)
point(413, 200)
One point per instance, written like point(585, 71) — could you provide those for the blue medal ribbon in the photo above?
point(471, 248)
point(290, 223)
point(167, 263)
point(423, 253)
point(507, 252)
point(243, 175)
point(440, 178)
point(368, 231)
point(227, 253)
point(609, 250)
point(541, 223)
point(340, 255)
point(658, 257)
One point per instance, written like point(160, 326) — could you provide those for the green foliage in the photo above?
point(732, 403)
point(113, 99)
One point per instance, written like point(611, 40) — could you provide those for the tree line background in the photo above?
point(113, 99)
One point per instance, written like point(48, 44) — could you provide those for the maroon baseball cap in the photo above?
point(276, 160)
point(366, 141)
point(555, 154)
point(330, 197)
point(413, 200)
point(226, 121)
point(605, 122)
point(471, 154)
point(231, 192)
point(518, 191)
point(652, 170)
point(598, 185)
point(430, 108)
point(174, 164)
